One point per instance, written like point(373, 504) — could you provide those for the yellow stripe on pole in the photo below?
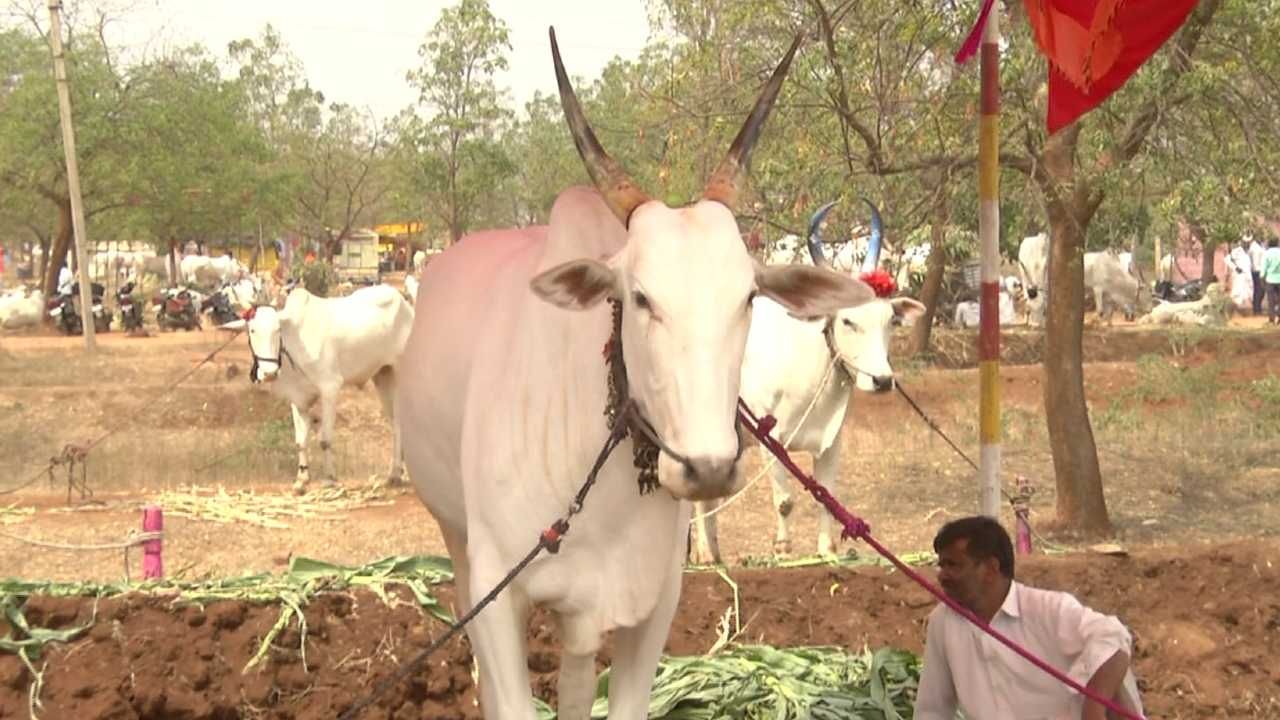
point(989, 381)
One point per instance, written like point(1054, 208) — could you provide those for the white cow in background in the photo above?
point(411, 288)
point(1106, 276)
point(313, 347)
point(419, 262)
point(1033, 263)
point(1211, 309)
point(797, 364)
point(968, 312)
point(211, 271)
point(504, 390)
point(19, 309)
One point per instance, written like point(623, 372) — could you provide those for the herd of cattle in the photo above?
point(512, 356)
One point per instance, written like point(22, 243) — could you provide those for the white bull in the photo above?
point(1033, 263)
point(504, 392)
point(411, 288)
point(313, 347)
point(21, 309)
point(801, 370)
point(211, 271)
point(1107, 277)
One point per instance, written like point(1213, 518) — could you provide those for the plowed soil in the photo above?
point(1206, 623)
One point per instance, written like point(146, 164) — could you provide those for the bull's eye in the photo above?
point(850, 324)
point(640, 300)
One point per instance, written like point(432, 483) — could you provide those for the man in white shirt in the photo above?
point(966, 669)
point(1256, 251)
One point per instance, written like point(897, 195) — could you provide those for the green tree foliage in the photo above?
point(454, 146)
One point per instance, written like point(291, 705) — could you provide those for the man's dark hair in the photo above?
point(987, 539)
point(1273, 242)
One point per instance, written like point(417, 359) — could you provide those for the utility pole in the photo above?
point(73, 176)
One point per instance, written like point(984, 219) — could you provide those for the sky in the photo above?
point(359, 52)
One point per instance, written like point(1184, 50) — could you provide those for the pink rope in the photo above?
point(855, 527)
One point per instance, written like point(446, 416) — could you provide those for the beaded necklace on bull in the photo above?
point(644, 450)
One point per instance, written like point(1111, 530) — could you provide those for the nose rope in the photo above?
point(642, 423)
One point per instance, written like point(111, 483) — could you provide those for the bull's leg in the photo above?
point(385, 381)
point(782, 506)
point(707, 544)
point(328, 417)
point(301, 428)
point(498, 639)
point(455, 543)
point(826, 470)
point(576, 687)
point(636, 653)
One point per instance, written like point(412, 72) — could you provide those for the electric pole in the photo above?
point(73, 176)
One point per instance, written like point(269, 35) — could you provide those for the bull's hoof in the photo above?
point(785, 507)
point(781, 548)
point(300, 487)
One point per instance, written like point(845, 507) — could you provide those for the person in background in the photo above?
point(1256, 251)
point(966, 669)
point(1241, 274)
point(1271, 276)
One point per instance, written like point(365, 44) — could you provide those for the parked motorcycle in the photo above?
point(177, 308)
point(130, 308)
point(65, 311)
point(1167, 291)
point(219, 307)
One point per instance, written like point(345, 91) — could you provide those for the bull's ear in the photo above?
point(808, 291)
point(234, 325)
point(907, 309)
point(576, 285)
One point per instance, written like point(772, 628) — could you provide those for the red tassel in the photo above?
point(881, 282)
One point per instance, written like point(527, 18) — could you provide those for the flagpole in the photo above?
point(989, 240)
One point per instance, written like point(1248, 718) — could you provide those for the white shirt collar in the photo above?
point(1011, 606)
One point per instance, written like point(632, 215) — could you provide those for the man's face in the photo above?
point(964, 579)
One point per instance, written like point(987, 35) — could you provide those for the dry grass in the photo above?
point(1185, 445)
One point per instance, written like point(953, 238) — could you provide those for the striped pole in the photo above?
point(989, 239)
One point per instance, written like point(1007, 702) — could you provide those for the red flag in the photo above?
point(1095, 46)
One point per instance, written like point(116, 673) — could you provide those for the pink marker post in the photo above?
point(152, 561)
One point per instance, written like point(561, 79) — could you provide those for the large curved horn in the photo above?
point(621, 194)
point(872, 260)
point(722, 186)
point(815, 238)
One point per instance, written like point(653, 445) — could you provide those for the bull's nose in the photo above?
point(710, 472)
point(882, 383)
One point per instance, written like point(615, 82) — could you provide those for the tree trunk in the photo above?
point(56, 258)
point(44, 258)
point(936, 267)
point(173, 261)
point(1081, 503)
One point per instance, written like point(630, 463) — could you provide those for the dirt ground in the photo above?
point(1185, 422)
point(1205, 620)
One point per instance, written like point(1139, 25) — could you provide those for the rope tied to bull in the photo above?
point(548, 540)
point(857, 528)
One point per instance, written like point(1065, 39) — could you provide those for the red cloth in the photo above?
point(1095, 46)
